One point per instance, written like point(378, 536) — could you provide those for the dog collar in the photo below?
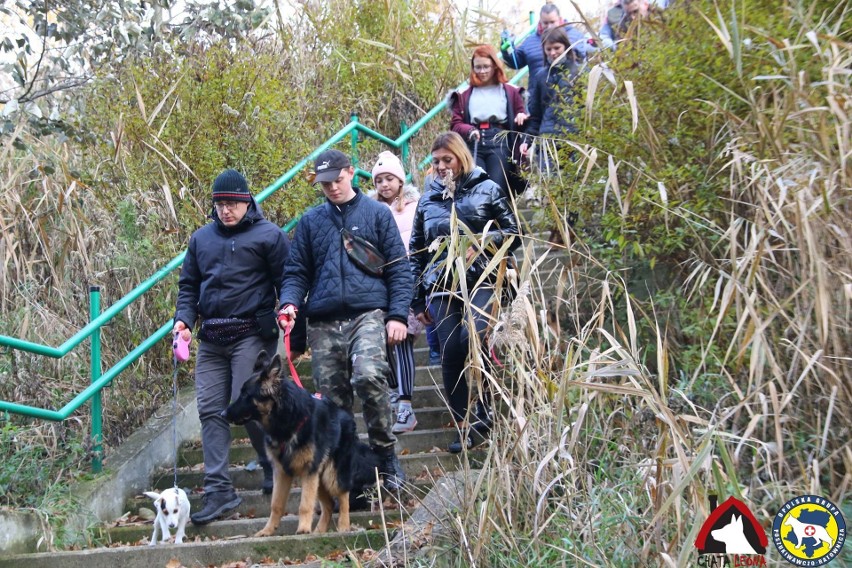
point(283, 445)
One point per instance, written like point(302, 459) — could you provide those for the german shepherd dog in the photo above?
point(309, 438)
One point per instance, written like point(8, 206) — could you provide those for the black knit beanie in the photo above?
point(230, 185)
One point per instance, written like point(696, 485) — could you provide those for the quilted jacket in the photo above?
point(477, 200)
point(336, 288)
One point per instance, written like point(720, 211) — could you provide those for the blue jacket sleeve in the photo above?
point(533, 125)
point(578, 42)
point(297, 269)
point(607, 36)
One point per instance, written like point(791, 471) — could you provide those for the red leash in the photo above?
point(293, 372)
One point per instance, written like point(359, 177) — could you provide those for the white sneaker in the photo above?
point(405, 420)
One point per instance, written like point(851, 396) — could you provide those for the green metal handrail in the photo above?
point(98, 319)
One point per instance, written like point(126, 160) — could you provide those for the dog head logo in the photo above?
point(731, 529)
point(809, 530)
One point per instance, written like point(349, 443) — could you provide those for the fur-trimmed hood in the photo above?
point(409, 193)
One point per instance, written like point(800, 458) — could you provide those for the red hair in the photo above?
point(491, 53)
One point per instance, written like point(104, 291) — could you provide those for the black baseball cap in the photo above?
point(327, 165)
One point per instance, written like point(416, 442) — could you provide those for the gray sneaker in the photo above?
point(216, 504)
point(405, 420)
point(394, 399)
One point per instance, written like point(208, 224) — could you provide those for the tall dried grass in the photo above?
point(605, 458)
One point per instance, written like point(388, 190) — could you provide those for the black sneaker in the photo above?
point(390, 470)
point(216, 504)
point(463, 441)
point(482, 420)
point(467, 440)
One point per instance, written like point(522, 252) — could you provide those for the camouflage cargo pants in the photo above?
point(349, 358)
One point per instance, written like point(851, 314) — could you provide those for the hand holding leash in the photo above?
point(180, 341)
point(287, 317)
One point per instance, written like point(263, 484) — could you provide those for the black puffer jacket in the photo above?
point(552, 100)
point(478, 200)
point(337, 289)
point(232, 271)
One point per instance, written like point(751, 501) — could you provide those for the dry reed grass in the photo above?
point(604, 458)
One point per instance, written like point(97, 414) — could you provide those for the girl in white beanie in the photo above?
point(389, 179)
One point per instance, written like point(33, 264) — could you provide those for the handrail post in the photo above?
point(532, 17)
point(402, 128)
point(354, 143)
point(95, 363)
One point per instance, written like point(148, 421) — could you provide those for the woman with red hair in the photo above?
point(483, 113)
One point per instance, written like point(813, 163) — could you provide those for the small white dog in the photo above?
point(172, 507)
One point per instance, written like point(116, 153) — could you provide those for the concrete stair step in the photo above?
point(428, 418)
point(415, 465)
point(257, 505)
point(422, 396)
point(291, 549)
point(426, 375)
point(244, 526)
point(420, 440)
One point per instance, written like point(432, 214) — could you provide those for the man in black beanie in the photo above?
point(229, 281)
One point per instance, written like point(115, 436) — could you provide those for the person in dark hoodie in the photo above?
point(229, 281)
point(551, 114)
point(459, 193)
point(355, 308)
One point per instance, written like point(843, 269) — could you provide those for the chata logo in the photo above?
point(809, 531)
point(731, 530)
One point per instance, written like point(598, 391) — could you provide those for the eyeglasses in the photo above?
point(229, 205)
point(482, 68)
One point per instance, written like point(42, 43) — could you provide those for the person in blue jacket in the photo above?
point(352, 314)
point(529, 53)
point(229, 281)
point(551, 106)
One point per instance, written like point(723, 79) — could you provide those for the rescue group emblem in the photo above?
point(809, 531)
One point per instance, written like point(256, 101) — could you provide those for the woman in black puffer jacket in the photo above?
point(458, 193)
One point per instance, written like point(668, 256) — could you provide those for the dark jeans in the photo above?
point(219, 375)
point(432, 338)
point(492, 155)
point(452, 324)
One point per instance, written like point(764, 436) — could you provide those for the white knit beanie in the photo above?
point(388, 163)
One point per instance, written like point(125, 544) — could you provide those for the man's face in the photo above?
point(549, 20)
point(630, 6)
point(339, 191)
point(231, 212)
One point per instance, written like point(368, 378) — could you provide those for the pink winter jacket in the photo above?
point(405, 218)
point(404, 222)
